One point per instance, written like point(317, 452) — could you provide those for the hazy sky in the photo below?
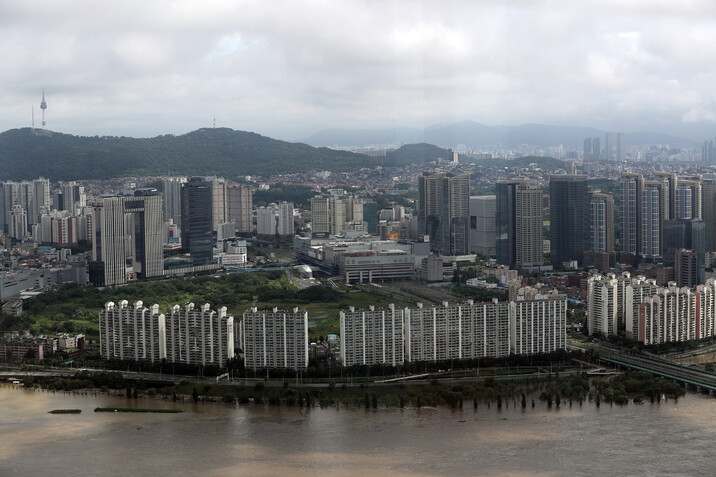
point(288, 69)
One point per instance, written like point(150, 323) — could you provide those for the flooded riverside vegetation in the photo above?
point(552, 390)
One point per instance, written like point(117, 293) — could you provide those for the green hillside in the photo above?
point(225, 152)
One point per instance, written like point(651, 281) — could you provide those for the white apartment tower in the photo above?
point(275, 338)
point(200, 336)
point(285, 219)
point(132, 333)
point(373, 336)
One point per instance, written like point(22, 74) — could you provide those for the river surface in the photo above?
point(215, 439)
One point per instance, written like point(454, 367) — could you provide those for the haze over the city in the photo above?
point(288, 69)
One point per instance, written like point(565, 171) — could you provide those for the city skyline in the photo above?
point(288, 70)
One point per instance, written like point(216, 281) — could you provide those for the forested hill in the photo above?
point(222, 152)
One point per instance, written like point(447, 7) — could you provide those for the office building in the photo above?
point(239, 205)
point(196, 219)
point(482, 225)
point(685, 234)
point(518, 224)
point(370, 217)
point(373, 336)
point(443, 211)
point(708, 212)
point(127, 240)
point(688, 269)
point(569, 217)
point(275, 338)
point(601, 223)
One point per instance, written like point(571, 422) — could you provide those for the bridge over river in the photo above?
point(660, 367)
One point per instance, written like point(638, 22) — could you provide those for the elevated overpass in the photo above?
point(660, 367)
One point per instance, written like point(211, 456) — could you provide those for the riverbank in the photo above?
point(552, 390)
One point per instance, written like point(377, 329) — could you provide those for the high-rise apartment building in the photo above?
point(172, 200)
point(671, 180)
point(239, 206)
point(538, 325)
point(266, 221)
point(285, 219)
point(518, 224)
point(275, 338)
point(569, 217)
point(683, 204)
point(587, 151)
point(608, 147)
point(612, 302)
point(218, 202)
point(631, 186)
point(132, 333)
point(73, 197)
point(196, 219)
point(126, 230)
point(461, 331)
point(373, 336)
point(443, 211)
point(331, 212)
point(654, 210)
point(601, 222)
point(482, 225)
point(42, 201)
point(200, 336)
point(621, 147)
point(672, 314)
point(694, 185)
point(18, 222)
point(596, 149)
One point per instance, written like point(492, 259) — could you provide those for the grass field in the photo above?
point(76, 309)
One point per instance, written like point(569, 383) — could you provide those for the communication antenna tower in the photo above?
point(43, 107)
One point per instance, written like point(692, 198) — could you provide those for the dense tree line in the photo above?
point(219, 151)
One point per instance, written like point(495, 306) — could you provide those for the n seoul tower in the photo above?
point(43, 107)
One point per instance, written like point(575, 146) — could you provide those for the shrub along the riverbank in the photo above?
point(552, 390)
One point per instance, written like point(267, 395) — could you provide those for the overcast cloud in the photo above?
point(288, 69)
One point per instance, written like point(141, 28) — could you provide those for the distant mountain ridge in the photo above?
point(221, 151)
point(475, 135)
